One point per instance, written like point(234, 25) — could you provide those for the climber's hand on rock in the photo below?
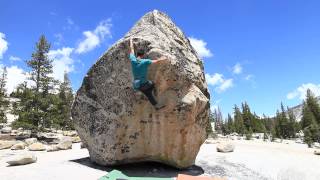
point(162, 58)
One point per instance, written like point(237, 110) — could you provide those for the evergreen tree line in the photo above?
point(43, 102)
point(284, 125)
point(310, 122)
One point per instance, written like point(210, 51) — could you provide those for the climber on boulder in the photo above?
point(140, 71)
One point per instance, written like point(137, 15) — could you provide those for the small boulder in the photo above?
point(48, 137)
point(65, 138)
point(21, 135)
point(52, 148)
point(317, 152)
point(70, 133)
point(13, 132)
point(299, 141)
point(6, 130)
point(22, 159)
point(30, 141)
point(19, 146)
point(76, 139)
point(316, 145)
point(7, 144)
point(65, 143)
point(225, 147)
point(37, 147)
point(277, 140)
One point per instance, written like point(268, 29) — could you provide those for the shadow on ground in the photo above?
point(143, 169)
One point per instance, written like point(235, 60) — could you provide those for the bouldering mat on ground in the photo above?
point(118, 175)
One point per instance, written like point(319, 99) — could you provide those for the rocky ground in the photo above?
point(250, 160)
point(256, 159)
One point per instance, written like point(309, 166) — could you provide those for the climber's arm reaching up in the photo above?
point(131, 47)
point(162, 58)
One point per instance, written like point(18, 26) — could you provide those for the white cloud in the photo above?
point(237, 69)
point(15, 76)
point(214, 79)
point(62, 61)
point(200, 46)
point(301, 91)
point(219, 82)
point(226, 84)
point(14, 58)
point(3, 44)
point(94, 38)
point(249, 77)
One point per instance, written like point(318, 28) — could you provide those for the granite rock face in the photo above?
point(119, 125)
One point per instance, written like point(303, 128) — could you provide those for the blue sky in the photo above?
point(262, 52)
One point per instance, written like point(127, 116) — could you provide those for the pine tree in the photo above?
point(238, 121)
point(257, 124)
point(41, 68)
point(246, 116)
point(218, 120)
point(284, 122)
point(224, 128)
point(230, 124)
point(66, 98)
point(307, 116)
point(24, 107)
point(277, 125)
point(282, 129)
point(308, 137)
point(209, 126)
point(313, 105)
point(309, 124)
point(292, 127)
point(4, 103)
point(267, 123)
point(248, 134)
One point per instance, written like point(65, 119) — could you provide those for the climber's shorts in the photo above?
point(147, 85)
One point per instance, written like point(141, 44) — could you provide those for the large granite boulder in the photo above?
point(119, 125)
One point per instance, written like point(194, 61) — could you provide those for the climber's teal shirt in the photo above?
point(139, 70)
